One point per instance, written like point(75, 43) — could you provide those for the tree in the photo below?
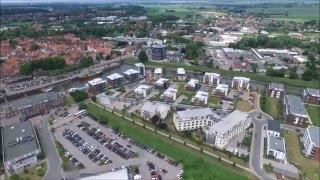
point(86, 62)
point(293, 73)
point(143, 57)
point(307, 75)
point(79, 96)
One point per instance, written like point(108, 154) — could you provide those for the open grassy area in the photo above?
point(314, 113)
point(214, 101)
point(272, 107)
point(243, 106)
point(68, 101)
point(231, 74)
point(196, 164)
point(309, 167)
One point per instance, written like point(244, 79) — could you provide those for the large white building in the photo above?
point(201, 98)
point(276, 147)
point(222, 90)
point(181, 74)
point(142, 91)
point(194, 118)
point(193, 85)
point(141, 68)
point(240, 83)
point(311, 142)
point(149, 109)
point(211, 78)
point(170, 95)
point(221, 133)
point(157, 73)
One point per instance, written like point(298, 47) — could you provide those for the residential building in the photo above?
point(149, 109)
point(194, 119)
point(221, 90)
point(311, 96)
point(162, 83)
point(34, 105)
point(115, 79)
point(181, 74)
point(193, 85)
point(241, 83)
point(97, 85)
point(158, 51)
point(132, 75)
point(275, 90)
point(141, 68)
point(211, 78)
point(142, 91)
point(201, 98)
point(294, 111)
point(311, 142)
point(157, 74)
point(170, 95)
point(273, 128)
point(222, 132)
point(20, 146)
point(276, 147)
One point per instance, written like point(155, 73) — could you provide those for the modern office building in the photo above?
point(194, 119)
point(275, 90)
point(20, 146)
point(276, 148)
point(311, 142)
point(241, 83)
point(97, 85)
point(158, 52)
point(211, 78)
point(311, 96)
point(222, 132)
point(294, 111)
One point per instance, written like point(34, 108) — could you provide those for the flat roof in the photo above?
point(276, 86)
point(276, 143)
point(96, 81)
point(19, 139)
point(314, 135)
point(193, 82)
point(228, 122)
point(190, 113)
point(170, 91)
point(152, 107)
point(241, 78)
point(222, 87)
point(114, 76)
point(130, 72)
point(212, 74)
point(202, 95)
point(273, 125)
point(313, 92)
point(142, 87)
point(158, 71)
point(162, 81)
point(181, 71)
point(296, 105)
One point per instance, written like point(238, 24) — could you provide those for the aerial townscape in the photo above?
point(160, 90)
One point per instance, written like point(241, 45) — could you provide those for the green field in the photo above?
point(314, 113)
point(272, 107)
point(243, 106)
point(196, 164)
point(291, 13)
point(309, 167)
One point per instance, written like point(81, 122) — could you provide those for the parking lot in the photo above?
point(99, 148)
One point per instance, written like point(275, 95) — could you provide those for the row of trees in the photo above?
point(51, 63)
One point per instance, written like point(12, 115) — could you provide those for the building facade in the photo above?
point(158, 51)
point(311, 96)
point(115, 79)
point(241, 83)
point(181, 74)
point(201, 98)
point(149, 109)
point(294, 111)
point(211, 78)
point(193, 85)
point(311, 142)
point(276, 148)
point(142, 91)
point(170, 95)
point(275, 90)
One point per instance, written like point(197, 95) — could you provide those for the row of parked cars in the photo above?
point(154, 174)
point(109, 143)
point(92, 153)
point(71, 158)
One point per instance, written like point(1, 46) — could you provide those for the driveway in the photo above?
point(54, 171)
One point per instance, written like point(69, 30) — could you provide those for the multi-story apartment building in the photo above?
point(201, 98)
point(181, 74)
point(132, 75)
point(149, 109)
point(170, 95)
point(222, 132)
point(141, 68)
point(34, 105)
point(273, 128)
point(311, 96)
point(194, 118)
point(275, 90)
point(115, 79)
point(97, 85)
point(211, 78)
point(20, 146)
point(162, 83)
point(294, 111)
point(241, 83)
point(142, 91)
point(311, 142)
point(221, 90)
point(157, 74)
point(276, 147)
point(193, 85)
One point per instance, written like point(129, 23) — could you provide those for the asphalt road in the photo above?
point(54, 171)
point(257, 145)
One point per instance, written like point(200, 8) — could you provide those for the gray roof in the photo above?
point(313, 92)
point(276, 86)
point(296, 105)
point(315, 135)
point(190, 113)
point(276, 143)
point(273, 125)
point(19, 139)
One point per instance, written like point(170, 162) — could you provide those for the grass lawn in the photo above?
point(214, 101)
point(230, 74)
point(243, 106)
point(309, 167)
point(196, 164)
point(68, 101)
point(314, 113)
point(34, 173)
point(272, 107)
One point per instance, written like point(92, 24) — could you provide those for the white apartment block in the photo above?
point(194, 118)
point(170, 95)
point(311, 142)
point(141, 68)
point(181, 74)
point(222, 90)
point(157, 74)
point(149, 109)
point(142, 91)
point(201, 98)
point(211, 78)
point(240, 83)
point(222, 132)
point(276, 147)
